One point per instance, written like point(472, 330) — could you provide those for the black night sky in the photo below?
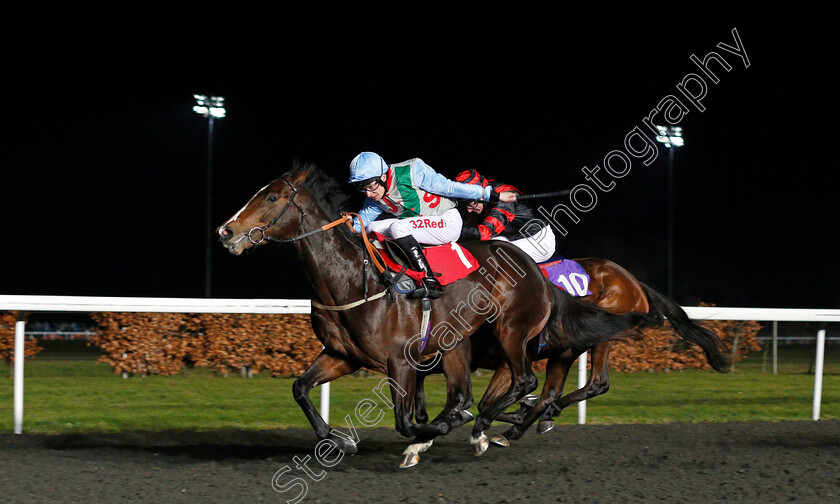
point(103, 187)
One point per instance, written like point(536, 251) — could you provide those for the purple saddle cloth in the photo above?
point(568, 275)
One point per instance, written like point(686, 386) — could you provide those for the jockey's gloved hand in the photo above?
point(499, 188)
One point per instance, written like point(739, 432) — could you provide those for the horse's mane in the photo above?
point(329, 194)
point(327, 191)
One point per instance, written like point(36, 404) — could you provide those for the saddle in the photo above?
point(450, 262)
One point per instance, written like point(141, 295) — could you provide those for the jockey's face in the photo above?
point(376, 189)
point(475, 207)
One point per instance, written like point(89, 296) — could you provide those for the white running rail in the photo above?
point(303, 306)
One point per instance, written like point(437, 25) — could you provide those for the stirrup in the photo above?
point(433, 291)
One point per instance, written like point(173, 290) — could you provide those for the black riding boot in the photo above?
point(430, 287)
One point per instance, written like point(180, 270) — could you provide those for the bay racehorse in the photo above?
point(361, 326)
point(613, 288)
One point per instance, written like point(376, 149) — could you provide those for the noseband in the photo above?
point(372, 254)
point(261, 230)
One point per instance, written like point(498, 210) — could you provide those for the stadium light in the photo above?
point(212, 107)
point(670, 136)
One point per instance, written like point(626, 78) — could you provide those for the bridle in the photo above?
point(372, 255)
point(261, 230)
point(346, 218)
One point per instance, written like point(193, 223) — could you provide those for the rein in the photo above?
point(347, 218)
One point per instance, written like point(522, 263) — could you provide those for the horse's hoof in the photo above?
point(500, 440)
point(529, 400)
point(466, 416)
point(545, 426)
point(411, 455)
point(409, 460)
point(419, 447)
point(480, 444)
point(348, 446)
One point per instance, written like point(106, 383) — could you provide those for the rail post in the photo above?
point(325, 402)
point(581, 384)
point(818, 374)
point(18, 393)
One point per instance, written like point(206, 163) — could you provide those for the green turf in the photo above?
point(64, 396)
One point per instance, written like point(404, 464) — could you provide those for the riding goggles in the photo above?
point(367, 184)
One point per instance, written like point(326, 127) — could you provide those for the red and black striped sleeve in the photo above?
point(496, 220)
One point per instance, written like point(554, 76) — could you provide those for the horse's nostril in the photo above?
point(225, 234)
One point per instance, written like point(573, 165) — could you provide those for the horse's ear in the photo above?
point(299, 176)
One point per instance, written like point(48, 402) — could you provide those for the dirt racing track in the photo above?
point(730, 462)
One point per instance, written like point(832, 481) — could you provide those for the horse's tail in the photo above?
point(583, 325)
point(716, 352)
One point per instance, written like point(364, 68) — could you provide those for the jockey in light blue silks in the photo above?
point(423, 204)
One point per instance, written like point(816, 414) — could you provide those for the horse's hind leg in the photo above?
point(523, 381)
point(323, 369)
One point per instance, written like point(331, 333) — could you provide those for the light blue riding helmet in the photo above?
point(365, 166)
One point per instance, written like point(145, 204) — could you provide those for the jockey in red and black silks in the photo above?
point(510, 221)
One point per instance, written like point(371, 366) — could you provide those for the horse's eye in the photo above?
point(272, 199)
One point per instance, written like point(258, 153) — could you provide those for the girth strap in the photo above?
point(349, 305)
point(425, 323)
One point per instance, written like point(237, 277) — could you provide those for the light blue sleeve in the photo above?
point(369, 212)
point(433, 182)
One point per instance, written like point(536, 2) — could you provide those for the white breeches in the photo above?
point(437, 230)
point(540, 246)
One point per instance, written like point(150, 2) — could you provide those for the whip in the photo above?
point(543, 195)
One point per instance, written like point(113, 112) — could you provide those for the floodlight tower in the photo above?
point(211, 107)
point(672, 137)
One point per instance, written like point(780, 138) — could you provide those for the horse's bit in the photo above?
point(368, 248)
point(261, 230)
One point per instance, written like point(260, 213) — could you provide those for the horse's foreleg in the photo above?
point(323, 369)
point(459, 398)
point(597, 384)
point(403, 379)
point(556, 372)
point(421, 415)
point(455, 366)
point(499, 384)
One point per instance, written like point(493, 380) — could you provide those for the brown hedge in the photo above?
point(7, 338)
point(662, 349)
point(164, 343)
point(284, 345)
